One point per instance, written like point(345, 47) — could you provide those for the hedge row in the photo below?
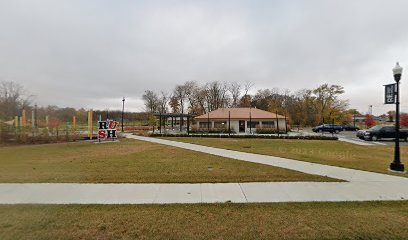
point(317, 137)
point(268, 131)
point(212, 130)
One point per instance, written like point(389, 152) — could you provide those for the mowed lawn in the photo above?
point(336, 153)
point(368, 220)
point(131, 161)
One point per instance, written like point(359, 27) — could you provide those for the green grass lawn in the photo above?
point(370, 158)
point(131, 161)
point(367, 220)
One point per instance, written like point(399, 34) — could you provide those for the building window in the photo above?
point(252, 124)
point(204, 125)
point(268, 124)
point(220, 124)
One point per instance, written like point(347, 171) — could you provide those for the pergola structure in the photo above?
point(180, 117)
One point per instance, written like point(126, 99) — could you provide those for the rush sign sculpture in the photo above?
point(107, 129)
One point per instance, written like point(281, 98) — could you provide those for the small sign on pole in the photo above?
point(390, 91)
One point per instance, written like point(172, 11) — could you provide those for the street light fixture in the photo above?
point(396, 165)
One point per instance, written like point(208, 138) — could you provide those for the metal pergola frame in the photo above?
point(174, 115)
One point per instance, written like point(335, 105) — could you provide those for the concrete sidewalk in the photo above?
point(350, 175)
point(361, 143)
point(267, 192)
point(361, 186)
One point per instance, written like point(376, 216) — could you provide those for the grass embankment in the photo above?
point(131, 161)
point(368, 220)
point(336, 153)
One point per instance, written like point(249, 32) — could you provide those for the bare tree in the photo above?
point(180, 94)
point(246, 100)
point(200, 106)
point(13, 98)
point(235, 90)
point(163, 102)
point(190, 90)
point(247, 86)
point(216, 95)
point(151, 101)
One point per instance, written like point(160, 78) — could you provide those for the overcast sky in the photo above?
point(90, 53)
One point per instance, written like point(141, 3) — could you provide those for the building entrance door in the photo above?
point(241, 126)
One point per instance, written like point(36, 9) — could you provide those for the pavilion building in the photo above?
point(242, 120)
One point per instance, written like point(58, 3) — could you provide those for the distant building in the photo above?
point(360, 119)
point(243, 120)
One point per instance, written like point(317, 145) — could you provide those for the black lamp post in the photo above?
point(35, 116)
point(250, 121)
point(284, 105)
point(123, 110)
point(229, 123)
point(188, 123)
point(396, 165)
point(208, 121)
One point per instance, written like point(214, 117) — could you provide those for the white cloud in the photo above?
point(90, 53)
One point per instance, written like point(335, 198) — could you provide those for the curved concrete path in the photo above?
point(360, 186)
point(350, 175)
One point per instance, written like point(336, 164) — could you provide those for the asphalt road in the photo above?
point(352, 136)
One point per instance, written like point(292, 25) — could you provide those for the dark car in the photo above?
point(360, 134)
point(349, 127)
point(381, 132)
point(331, 128)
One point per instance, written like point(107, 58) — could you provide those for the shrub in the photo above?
point(269, 130)
point(11, 135)
point(317, 137)
point(6, 133)
point(195, 129)
point(265, 130)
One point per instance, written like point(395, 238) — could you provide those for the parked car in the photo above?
point(349, 127)
point(360, 134)
point(381, 132)
point(331, 128)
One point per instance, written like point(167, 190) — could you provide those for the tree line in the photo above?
point(14, 98)
point(304, 107)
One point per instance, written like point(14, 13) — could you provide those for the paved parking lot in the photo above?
point(351, 135)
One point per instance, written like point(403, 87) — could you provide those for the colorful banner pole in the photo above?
point(74, 123)
point(24, 118)
point(90, 127)
point(32, 119)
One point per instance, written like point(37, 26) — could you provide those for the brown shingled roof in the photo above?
point(239, 113)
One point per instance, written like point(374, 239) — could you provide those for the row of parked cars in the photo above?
point(373, 134)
